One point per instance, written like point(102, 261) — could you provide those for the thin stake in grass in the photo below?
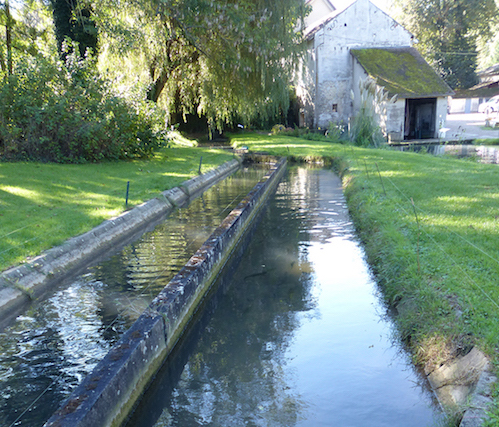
point(367, 172)
point(379, 174)
point(419, 232)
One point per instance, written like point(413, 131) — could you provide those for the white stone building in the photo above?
point(346, 45)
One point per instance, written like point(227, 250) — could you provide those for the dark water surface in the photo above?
point(299, 337)
point(47, 351)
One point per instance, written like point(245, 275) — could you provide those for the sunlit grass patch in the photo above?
point(282, 145)
point(42, 205)
point(176, 138)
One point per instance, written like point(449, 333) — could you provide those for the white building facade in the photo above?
point(328, 86)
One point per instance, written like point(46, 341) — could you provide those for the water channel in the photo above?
point(46, 352)
point(298, 336)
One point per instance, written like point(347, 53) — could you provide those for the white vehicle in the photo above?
point(492, 105)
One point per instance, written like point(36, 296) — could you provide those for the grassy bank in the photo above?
point(42, 205)
point(430, 227)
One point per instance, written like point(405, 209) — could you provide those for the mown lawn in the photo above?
point(42, 205)
point(430, 228)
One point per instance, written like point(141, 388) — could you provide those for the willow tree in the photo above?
point(449, 32)
point(25, 32)
point(221, 59)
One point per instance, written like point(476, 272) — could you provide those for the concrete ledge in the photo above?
point(195, 185)
point(125, 370)
point(465, 385)
point(176, 196)
point(19, 285)
point(108, 394)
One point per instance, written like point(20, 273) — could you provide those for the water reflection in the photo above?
point(296, 338)
point(46, 352)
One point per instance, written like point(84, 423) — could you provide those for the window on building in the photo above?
point(335, 108)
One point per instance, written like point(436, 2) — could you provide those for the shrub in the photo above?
point(68, 113)
point(337, 131)
point(277, 129)
point(365, 130)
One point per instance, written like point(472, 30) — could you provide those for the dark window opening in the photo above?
point(335, 108)
point(420, 118)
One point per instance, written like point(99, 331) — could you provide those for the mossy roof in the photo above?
point(402, 71)
point(481, 90)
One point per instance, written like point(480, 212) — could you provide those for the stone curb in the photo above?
point(20, 284)
point(463, 384)
point(480, 401)
point(107, 395)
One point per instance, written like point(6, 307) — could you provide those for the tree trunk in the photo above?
point(8, 36)
point(168, 68)
point(3, 67)
point(156, 89)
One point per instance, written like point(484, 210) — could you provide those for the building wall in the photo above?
point(305, 86)
point(361, 25)
point(394, 124)
point(465, 105)
point(320, 9)
point(358, 75)
point(441, 113)
point(395, 120)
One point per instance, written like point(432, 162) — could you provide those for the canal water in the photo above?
point(299, 335)
point(47, 351)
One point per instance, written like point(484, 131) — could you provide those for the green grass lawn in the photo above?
point(430, 228)
point(42, 205)
point(281, 145)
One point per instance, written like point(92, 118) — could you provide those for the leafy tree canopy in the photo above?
point(489, 49)
point(449, 32)
point(25, 30)
point(73, 21)
point(223, 60)
point(227, 60)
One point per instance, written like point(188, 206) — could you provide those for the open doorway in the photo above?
point(420, 118)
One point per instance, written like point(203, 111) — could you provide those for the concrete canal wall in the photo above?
point(20, 284)
point(107, 395)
